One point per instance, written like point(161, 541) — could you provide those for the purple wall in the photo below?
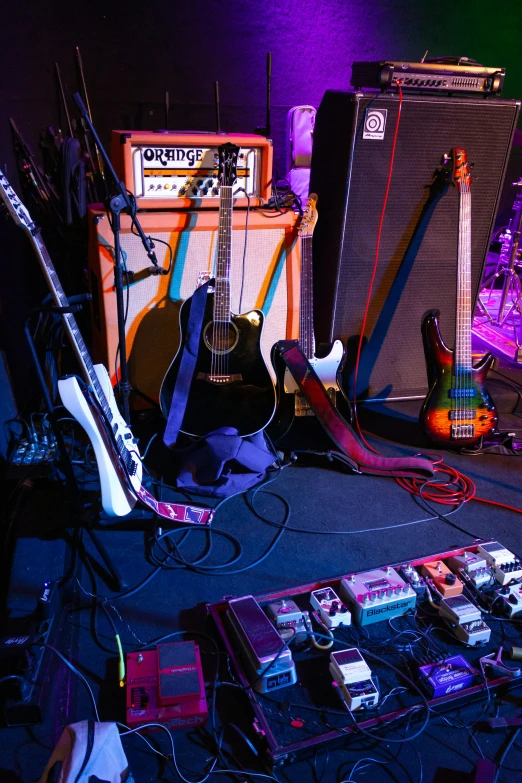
point(132, 52)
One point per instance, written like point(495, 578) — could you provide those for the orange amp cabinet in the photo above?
point(266, 277)
point(177, 170)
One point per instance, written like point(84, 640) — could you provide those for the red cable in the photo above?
point(458, 488)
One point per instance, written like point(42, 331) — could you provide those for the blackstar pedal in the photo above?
point(377, 595)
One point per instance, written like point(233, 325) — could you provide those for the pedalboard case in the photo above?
point(294, 719)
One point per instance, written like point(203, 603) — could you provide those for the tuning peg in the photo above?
point(470, 165)
point(446, 158)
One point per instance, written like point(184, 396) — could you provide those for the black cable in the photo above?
point(506, 750)
point(243, 267)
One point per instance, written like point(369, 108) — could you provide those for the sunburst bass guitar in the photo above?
point(458, 411)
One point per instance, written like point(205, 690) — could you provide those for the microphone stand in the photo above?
point(119, 202)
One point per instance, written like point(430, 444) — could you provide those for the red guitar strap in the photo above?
point(346, 440)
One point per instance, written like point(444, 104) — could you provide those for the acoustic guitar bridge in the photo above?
point(219, 380)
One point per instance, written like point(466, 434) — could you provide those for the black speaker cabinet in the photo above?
point(353, 141)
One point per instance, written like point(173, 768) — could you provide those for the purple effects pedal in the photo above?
point(453, 674)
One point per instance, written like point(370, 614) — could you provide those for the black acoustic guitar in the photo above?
point(231, 385)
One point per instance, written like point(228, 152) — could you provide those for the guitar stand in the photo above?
point(64, 460)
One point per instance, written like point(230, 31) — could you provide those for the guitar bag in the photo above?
point(349, 444)
point(74, 182)
point(222, 463)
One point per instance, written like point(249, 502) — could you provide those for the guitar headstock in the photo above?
point(227, 166)
point(309, 219)
point(458, 169)
point(14, 206)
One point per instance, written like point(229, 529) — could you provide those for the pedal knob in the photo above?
point(450, 579)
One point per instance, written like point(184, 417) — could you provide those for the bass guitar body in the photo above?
point(231, 386)
point(458, 411)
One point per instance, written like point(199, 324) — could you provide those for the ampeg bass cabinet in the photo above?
point(417, 269)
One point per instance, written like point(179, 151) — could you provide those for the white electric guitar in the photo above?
point(292, 403)
point(89, 400)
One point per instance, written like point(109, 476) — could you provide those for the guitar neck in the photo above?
point(464, 305)
point(222, 286)
point(60, 300)
point(306, 316)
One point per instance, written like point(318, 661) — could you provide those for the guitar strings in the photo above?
point(468, 402)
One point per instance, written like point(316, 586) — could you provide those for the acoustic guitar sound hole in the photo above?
point(221, 337)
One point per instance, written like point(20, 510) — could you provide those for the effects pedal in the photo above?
point(448, 676)
point(166, 686)
point(511, 597)
point(412, 577)
point(377, 595)
point(444, 580)
point(333, 612)
point(288, 618)
point(474, 565)
point(504, 564)
point(261, 644)
point(354, 677)
point(465, 620)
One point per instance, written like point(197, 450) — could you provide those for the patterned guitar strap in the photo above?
point(360, 459)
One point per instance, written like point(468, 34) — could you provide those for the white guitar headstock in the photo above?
point(14, 206)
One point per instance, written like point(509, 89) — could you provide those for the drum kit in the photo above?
point(500, 297)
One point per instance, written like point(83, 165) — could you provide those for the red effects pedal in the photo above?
point(165, 685)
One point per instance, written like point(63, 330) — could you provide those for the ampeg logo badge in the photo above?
point(374, 123)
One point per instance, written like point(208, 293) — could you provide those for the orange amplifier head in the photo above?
point(264, 274)
point(174, 170)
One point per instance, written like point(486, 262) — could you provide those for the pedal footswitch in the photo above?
point(465, 620)
point(354, 677)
